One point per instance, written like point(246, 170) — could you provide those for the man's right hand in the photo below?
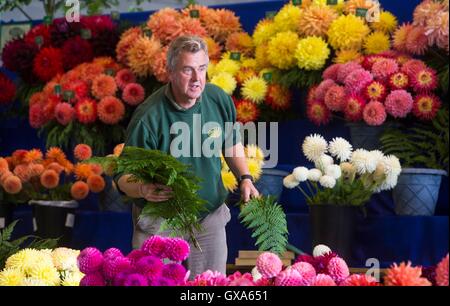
point(155, 192)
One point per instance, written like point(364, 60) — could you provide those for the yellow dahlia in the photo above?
point(281, 50)
point(377, 42)
point(312, 53)
point(229, 180)
point(347, 32)
point(11, 277)
point(250, 63)
point(264, 31)
point(240, 42)
point(345, 56)
point(46, 273)
point(142, 54)
point(400, 36)
point(30, 281)
point(23, 260)
point(244, 74)
point(254, 167)
point(287, 18)
point(225, 81)
point(387, 23)
point(261, 57)
point(72, 278)
point(211, 69)
point(315, 20)
point(254, 89)
point(227, 65)
point(255, 152)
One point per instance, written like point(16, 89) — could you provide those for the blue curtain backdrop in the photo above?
point(382, 235)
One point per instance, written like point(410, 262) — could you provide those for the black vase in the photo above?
point(335, 227)
point(54, 219)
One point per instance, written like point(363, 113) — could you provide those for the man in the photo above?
point(185, 102)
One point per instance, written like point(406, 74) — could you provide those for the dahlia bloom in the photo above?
point(374, 113)
point(399, 103)
point(269, 264)
point(426, 106)
point(405, 275)
point(90, 260)
point(110, 110)
point(318, 112)
point(353, 108)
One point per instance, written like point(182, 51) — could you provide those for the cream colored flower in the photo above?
point(314, 175)
point(300, 174)
point(290, 182)
point(334, 171)
point(72, 278)
point(327, 181)
point(314, 146)
point(323, 161)
point(364, 161)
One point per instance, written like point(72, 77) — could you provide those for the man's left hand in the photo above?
point(248, 190)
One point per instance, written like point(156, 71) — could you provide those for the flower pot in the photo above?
point(6, 211)
point(335, 227)
point(417, 191)
point(364, 136)
point(270, 183)
point(54, 219)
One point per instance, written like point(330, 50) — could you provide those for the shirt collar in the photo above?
point(168, 93)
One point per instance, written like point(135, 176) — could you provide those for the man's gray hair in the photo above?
point(191, 44)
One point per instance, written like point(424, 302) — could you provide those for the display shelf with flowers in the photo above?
point(56, 46)
point(90, 104)
point(427, 36)
point(305, 37)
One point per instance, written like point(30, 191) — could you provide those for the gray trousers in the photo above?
point(212, 239)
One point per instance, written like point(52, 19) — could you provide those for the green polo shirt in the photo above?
point(194, 136)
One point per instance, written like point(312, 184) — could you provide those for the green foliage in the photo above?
point(300, 78)
point(267, 220)
point(9, 5)
point(183, 209)
point(421, 145)
point(8, 247)
point(344, 193)
point(438, 60)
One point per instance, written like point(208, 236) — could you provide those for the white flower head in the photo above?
point(392, 165)
point(290, 182)
point(327, 181)
point(340, 148)
point(363, 161)
point(321, 249)
point(377, 155)
point(323, 161)
point(314, 175)
point(314, 146)
point(389, 183)
point(255, 274)
point(334, 171)
point(300, 174)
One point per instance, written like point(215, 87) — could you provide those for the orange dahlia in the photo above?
point(86, 111)
point(36, 170)
point(33, 155)
point(48, 63)
point(12, 184)
point(49, 179)
point(118, 149)
point(124, 77)
point(18, 157)
point(37, 98)
point(244, 74)
point(405, 275)
point(221, 23)
point(246, 111)
point(110, 110)
point(214, 49)
point(57, 167)
point(96, 169)
point(165, 25)
point(192, 26)
point(79, 190)
point(3, 164)
point(315, 20)
point(103, 86)
point(400, 36)
point(442, 272)
point(22, 172)
point(240, 42)
point(82, 151)
point(278, 97)
point(64, 113)
point(96, 183)
point(203, 11)
point(126, 42)
point(83, 171)
point(159, 66)
point(318, 112)
point(55, 154)
point(141, 55)
point(417, 41)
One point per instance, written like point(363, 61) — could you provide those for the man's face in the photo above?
point(189, 78)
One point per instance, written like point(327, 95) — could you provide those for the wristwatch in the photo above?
point(245, 176)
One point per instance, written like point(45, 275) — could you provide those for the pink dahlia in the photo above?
point(124, 77)
point(345, 70)
point(163, 282)
point(323, 280)
point(269, 264)
point(135, 279)
point(374, 113)
point(110, 110)
point(318, 112)
point(79, 87)
point(384, 68)
point(150, 266)
point(135, 255)
point(375, 90)
point(369, 60)
point(113, 266)
point(238, 279)
point(426, 106)
point(133, 94)
point(399, 103)
point(424, 80)
point(290, 277)
point(442, 272)
point(331, 72)
point(64, 113)
point(177, 249)
point(90, 260)
point(405, 275)
point(359, 280)
point(155, 246)
point(353, 108)
point(357, 80)
point(174, 271)
point(412, 66)
point(95, 279)
point(322, 89)
point(338, 269)
point(417, 41)
point(311, 94)
point(399, 80)
point(209, 278)
point(335, 98)
point(306, 271)
point(111, 253)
